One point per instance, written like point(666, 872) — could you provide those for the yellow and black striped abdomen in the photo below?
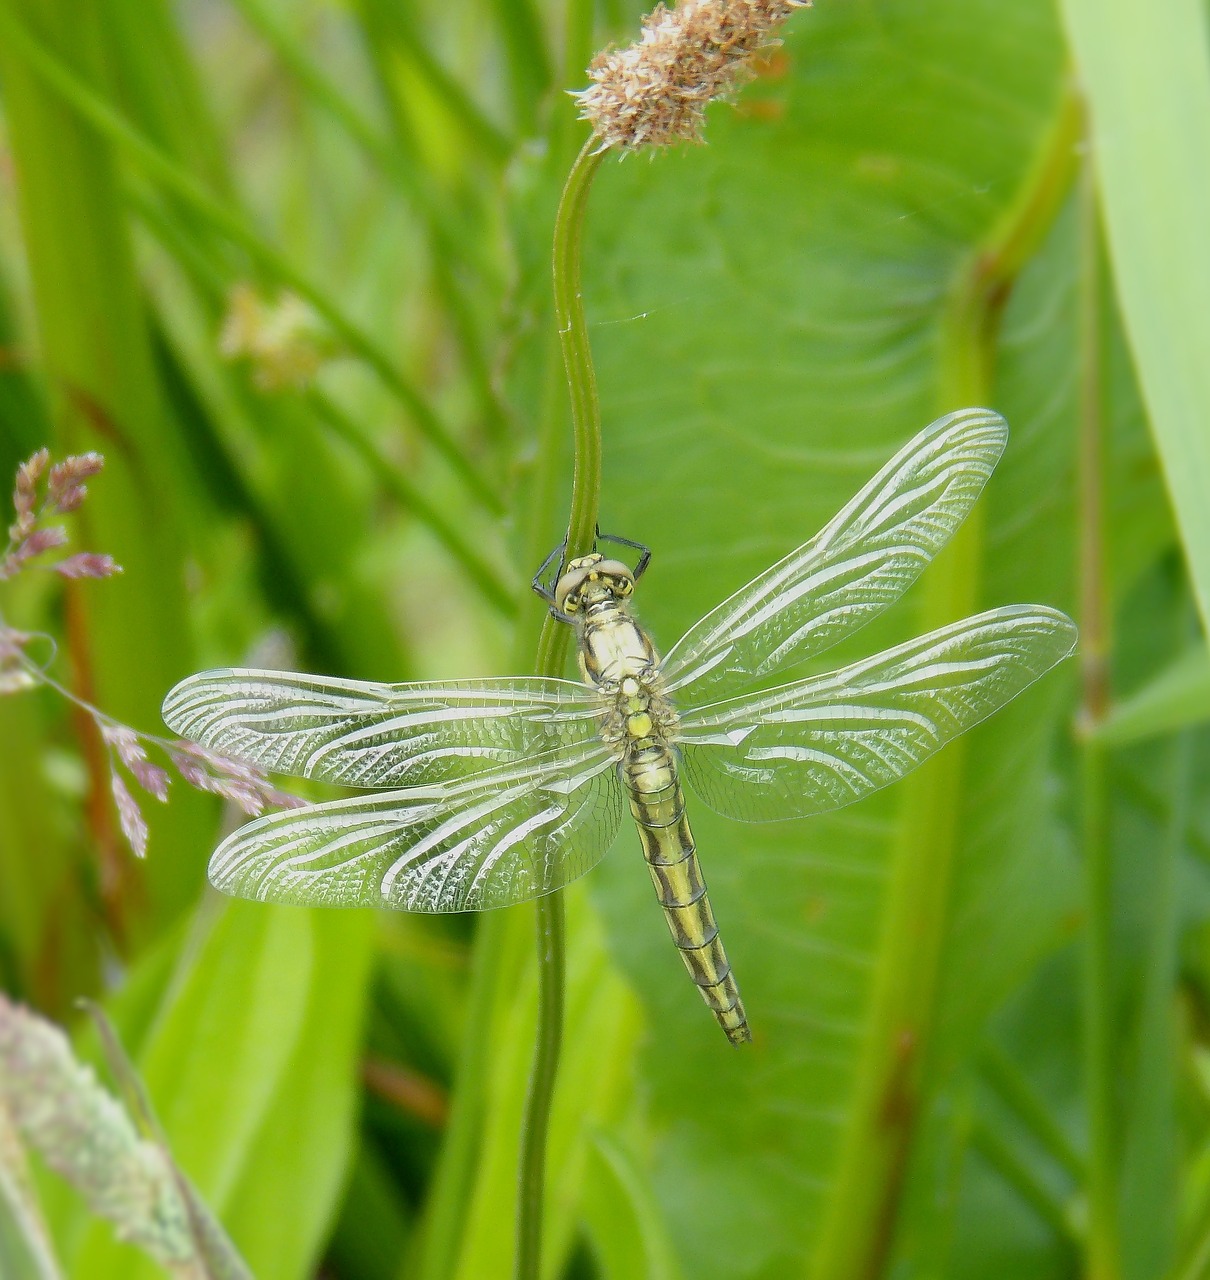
point(658, 806)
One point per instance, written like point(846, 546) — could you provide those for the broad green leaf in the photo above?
point(769, 315)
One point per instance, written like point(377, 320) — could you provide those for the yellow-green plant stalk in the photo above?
point(651, 94)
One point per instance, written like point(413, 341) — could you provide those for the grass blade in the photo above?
point(1147, 78)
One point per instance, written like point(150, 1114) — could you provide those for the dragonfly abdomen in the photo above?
point(658, 806)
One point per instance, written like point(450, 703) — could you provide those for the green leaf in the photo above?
point(1174, 698)
point(313, 1114)
point(629, 1238)
point(773, 315)
point(1148, 88)
point(254, 1052)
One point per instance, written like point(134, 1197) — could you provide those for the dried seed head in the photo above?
point(654, 92)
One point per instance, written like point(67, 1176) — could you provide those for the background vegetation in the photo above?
point(980, 999)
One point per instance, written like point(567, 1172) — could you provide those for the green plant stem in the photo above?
point(118, 130)
point(536, 1124)
point(552, 651)
point(1101, 1053)
point(582, 388)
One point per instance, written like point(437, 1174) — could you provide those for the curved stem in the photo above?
point(552, 652)
point(581, 386)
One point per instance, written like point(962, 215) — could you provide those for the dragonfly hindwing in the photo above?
point(822, 743)
point(502, 837)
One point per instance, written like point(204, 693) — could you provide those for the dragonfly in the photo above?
point(487, 793)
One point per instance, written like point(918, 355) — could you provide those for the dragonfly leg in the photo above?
point(643, 550)
point(547, 589)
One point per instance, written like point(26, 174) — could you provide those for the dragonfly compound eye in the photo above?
point(617, 578)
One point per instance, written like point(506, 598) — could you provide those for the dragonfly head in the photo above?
point(589, 580)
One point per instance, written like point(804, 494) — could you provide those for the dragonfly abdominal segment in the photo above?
point(640, 725)
point(486, 793)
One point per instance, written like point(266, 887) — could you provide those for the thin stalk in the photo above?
point(536, 1124)
point(1017, 1172)
point(118, 130)
point(1101, 1052)
point(581, 385)
point(552, 651)
point(1003, 1075)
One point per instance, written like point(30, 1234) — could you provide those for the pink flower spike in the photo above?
point(87, 564)
point(28, 475)
point(151, 778)
point(42, 540)
point(65, 486)
point(247, 798)
point(191, 771)
point(134, 825)
point(133, 755)
point(70, 498)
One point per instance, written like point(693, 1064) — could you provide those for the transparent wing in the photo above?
point(860, 563)
point(822, 743)
point(505, 836)
point(360, 734)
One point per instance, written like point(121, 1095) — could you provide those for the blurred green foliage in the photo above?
point(286, 263)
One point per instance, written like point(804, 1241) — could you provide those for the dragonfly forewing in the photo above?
point(502, 837)
point(859, 564)
point(822, 743)
point(360, 734)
